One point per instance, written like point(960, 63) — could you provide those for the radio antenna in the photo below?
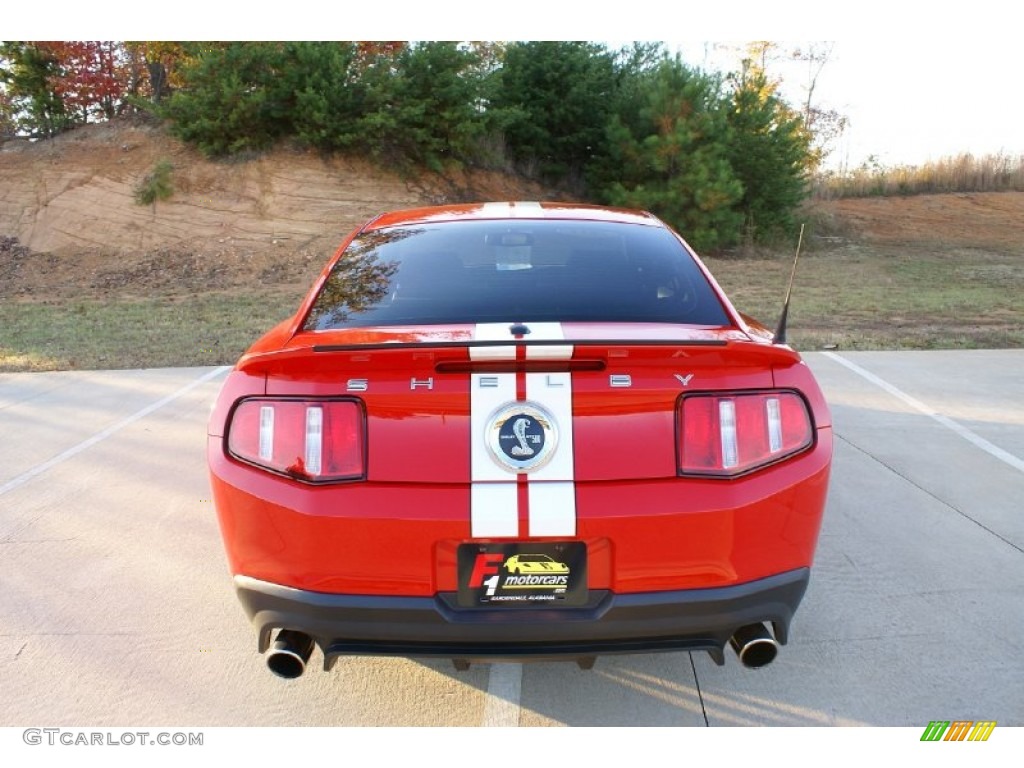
point(780, 333)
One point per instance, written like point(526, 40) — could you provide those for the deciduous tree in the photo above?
point(156, 67)
point(88, 76)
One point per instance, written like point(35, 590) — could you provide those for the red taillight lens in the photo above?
point(313, 440)
point(729, 434)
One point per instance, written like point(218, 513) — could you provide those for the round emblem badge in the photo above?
point(521, 437)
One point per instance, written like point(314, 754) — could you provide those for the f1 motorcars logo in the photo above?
point(958, 730)
point(486, 564)
point(534, 572)
point(522, 573)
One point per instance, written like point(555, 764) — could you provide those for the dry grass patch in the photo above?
point(856, 297)
point(203, 329)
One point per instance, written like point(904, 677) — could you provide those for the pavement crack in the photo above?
point(37, 541)
point(927, 492)
point(69, 634)
point(700, 695)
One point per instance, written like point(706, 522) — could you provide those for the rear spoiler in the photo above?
point(470, 343)
point(456, 356)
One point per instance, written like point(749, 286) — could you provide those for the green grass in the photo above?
point(203, 329)
point(850, 297)
point(858, 297)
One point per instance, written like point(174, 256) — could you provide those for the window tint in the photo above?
point(515, 271)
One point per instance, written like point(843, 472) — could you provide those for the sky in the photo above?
point(911, 103)
point(917, 80)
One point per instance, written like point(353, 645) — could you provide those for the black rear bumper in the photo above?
point(695, 619)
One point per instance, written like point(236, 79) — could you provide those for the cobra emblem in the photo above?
point(519, 430)
point(521, 436)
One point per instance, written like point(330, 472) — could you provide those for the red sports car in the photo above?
point(469, 388)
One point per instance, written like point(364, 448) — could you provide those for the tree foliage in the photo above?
point(28, 73)
point(423, 105)
point(155, 68)
point(329, 95)
point(8, 125)
point(823, 124)
point(717, 156)
point(558, 98)
point(413, 104)
point(88, 77)
point(50, 86)
point(673, 156)
point(156, 185)
point(238, 99)
point(769, 152)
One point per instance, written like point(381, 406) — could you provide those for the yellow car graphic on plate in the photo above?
point(534, 564)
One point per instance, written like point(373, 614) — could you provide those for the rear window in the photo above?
point(515, 271)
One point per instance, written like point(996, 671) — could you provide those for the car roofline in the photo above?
point(511, 210)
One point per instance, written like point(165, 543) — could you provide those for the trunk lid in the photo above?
point(432, 393)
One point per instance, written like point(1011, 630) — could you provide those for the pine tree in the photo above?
point(673, 156)
point(235, 99)
point(770, 153)
point(28, 72)
point(558, 98)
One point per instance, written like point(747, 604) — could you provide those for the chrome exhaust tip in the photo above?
point(754, 645)
point(288, 656)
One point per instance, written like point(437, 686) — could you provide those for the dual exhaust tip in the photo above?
point(754, 645)
point(290, 653)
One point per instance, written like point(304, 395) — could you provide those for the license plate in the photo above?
point(524, 574)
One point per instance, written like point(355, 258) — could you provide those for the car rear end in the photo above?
point(469, 389)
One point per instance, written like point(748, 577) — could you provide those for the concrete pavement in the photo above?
point(116, 605)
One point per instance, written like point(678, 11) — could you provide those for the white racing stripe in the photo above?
point(493, 499)
point(488, 393)
point(553, 352)
point(514, 210)
point(493, 332)
point(551, 493)
point(553, 391)
point(495, 510)
point(552, 508)
point(495, 209)
point(522, 210)
point(548, 332)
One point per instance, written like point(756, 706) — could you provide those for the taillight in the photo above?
point(312, 440)
point(730, 434)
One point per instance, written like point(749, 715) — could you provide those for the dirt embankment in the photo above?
point(987, 220)
point(275, 217)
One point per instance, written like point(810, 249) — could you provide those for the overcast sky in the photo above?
point(910, 103)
